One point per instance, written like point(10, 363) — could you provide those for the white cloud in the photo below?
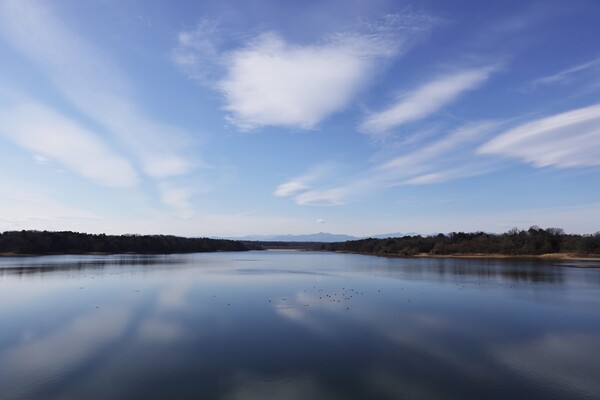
point(302, 184)
point(177, 198)
point(166, 165)
point(335, 190)
point(51, 136)
point(320, 221)
point(272, 82)
point(304, 194)
point(568, 74)
point(197, 54)
point(93, 84)
point(328, 197)
point(448, 158)
point(434, 177)
point(426, 100)
point(40, 160)
point(424, 158)
point(566, 140)
point(290, 188)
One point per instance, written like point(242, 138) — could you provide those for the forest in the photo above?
point(45, 242)
point(533, 241)
point(516, 242)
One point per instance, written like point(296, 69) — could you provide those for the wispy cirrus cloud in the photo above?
point(270, 81)
point(24, 205)
point(438, 149)
point(50, 135)
point(197, 52)
point(305, 189)
point(450, 157)
point(569, 74)
point(566, 140)
point(323, 197)
point(92, 83)
point(426, 100)
point(178, 198)
point(303, 183)
point(291, 188)
point(426, 179)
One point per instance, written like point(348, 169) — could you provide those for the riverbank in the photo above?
point(124, 253)
point(547, 257)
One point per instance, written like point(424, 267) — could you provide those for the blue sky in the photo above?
point(230, 118)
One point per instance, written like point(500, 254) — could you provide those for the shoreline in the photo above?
point(541, 257)
point(549, 256)
point(594, 258)
point(125, 253)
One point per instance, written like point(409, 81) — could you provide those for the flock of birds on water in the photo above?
point(344, 296)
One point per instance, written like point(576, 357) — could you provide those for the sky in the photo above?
point(232, 118)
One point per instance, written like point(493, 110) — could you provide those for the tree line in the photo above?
point(67, 242)
point(533, 241)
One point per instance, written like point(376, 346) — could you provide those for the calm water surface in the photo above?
point(296, 325)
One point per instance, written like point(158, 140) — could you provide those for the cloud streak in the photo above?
point(94, 85)
point(50, 135)
point(197, 53)
point(425, 100)
point(422, 158)
point(567, 140)
point(568, 74)
point(178, 198)
point(291, 188)
point(447, 158)
point(298, 187)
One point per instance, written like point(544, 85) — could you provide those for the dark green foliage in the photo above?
point(534, 241)
point(44, 242)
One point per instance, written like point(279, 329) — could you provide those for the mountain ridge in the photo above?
point(323, 237)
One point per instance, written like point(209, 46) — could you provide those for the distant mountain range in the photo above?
point(316, 237)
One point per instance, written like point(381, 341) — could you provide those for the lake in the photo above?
point(297, 325)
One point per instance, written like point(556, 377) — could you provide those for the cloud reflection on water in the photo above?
point(566, 361)
point(308, 325)
point(41, 359)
